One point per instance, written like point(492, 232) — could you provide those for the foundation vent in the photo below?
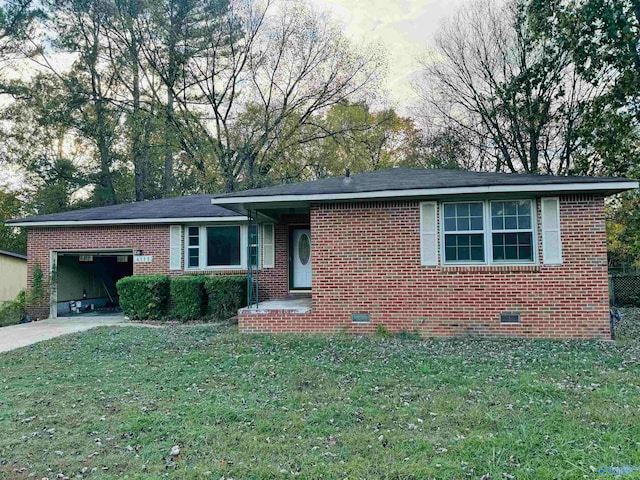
point(510, 317)
point(360, 317)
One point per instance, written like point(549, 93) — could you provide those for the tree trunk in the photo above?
point(137, 150)
point(105, 193)
point(167, 186)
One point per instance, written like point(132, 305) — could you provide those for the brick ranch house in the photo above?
point(441, 252)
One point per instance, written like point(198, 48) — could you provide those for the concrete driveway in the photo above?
point(17, 336)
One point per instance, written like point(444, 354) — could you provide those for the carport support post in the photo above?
point(53, 284)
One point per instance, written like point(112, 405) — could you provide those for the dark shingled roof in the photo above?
point(192, 206)
point(415, 178)
point(13, 254)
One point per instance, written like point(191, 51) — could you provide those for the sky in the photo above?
point(404, 27)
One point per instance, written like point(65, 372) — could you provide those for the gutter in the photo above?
point(124, 221)
point(433, 192)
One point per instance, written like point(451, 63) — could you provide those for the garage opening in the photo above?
point(86, 282)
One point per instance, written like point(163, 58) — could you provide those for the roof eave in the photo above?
point(606, 188)
point(123, 221)
point(17, 256)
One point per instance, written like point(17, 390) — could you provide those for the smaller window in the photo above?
point(304, 249)
point(193, 247)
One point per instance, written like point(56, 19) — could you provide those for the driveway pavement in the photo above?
point(17, 336)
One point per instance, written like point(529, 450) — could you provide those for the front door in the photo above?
point(301, 254)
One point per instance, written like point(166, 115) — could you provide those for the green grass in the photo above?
point(110, 403)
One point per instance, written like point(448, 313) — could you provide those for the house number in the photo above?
point(142, 258)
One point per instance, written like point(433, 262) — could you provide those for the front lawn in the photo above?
point(113, 402)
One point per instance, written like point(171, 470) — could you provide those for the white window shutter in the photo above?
point(551, 238)
point(268, 252)
point(175, 247)
point(428, 233)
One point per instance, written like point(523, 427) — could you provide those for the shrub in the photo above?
point(225, 295)
point(405, 335)
point(144, 297)
point(12, 312)
point(382, 331)
point(188, 297)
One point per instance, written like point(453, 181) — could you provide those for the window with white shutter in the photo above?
point(428, 233)
point(551, 238)
point(268, 251)
point(175, 247)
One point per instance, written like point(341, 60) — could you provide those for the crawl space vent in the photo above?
point(510, 317)
point(360, 317)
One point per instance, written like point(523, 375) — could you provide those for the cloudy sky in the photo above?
point(404, 27)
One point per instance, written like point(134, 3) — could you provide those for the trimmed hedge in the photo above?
point(144, 297)
point(188, 297)
point(225, 295)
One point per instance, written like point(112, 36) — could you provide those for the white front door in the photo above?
point(301, 241)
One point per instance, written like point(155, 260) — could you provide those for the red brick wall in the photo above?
point(151, 239)
point(366, 258)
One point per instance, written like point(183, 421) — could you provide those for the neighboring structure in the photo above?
point(440, 252)
point(13, 274)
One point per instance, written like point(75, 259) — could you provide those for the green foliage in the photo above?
point(406, 335)
point(12, 312)
point(225, 295)
point(363, 141)
point(188, 297)
point(16, 22)
point(11, 239)
point(623, 229)
point(382, 331)
point(601, 38)
point(37, 284)
point(147, 297)
point(144, 297)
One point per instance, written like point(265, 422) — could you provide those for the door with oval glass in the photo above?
point(301, 253)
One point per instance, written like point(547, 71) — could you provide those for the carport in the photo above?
point(85, 281)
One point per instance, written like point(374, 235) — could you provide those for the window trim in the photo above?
point(488, 237)
point(202, 248)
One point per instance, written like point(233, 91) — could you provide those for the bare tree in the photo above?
point(261, 77)
point(515, 98)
